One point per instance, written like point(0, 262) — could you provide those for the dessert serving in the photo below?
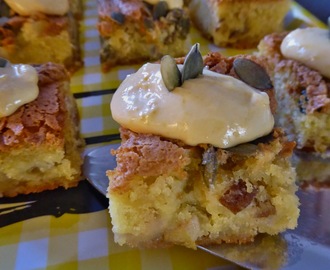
point(238, 23)
point(41, 31)
point(40, 146)
point(301, 77)
point(133, 31)
point(200, 161)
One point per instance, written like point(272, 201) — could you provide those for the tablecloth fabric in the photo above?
point(85, 241)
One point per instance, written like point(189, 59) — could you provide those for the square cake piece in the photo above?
point(166, 191)
point(238, 23)
point(40, 145)
point(134, 31)
point(302, 86)
point(37, 34)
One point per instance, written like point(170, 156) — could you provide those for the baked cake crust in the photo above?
point(164, 192)
point(238, 23)
point(40, 39)
point(131, 32)
point(303, 96)
point(40, 145)
point(160, 191)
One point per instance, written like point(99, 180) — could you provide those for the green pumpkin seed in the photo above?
point(170, 72)
point(3, 62)
point(210, 161)
point(252, 74)
point(160, 10)
point(118, 17)
point(193, 64)
point(245, 149)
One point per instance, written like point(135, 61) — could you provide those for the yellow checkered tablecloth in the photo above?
point(76, 232)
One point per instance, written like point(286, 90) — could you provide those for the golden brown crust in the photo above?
point(134, 11)
point(31, 187)
point(131, 32)
point(313, 88)
point(237, 23)
point(41, 120)
point(40, 144)
point(237, 196)
point(131, 8)
point(148, 155)
point(8, 29)
point(13, 48)
point(316, 88)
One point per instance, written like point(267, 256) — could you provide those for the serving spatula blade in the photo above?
point(306, 247)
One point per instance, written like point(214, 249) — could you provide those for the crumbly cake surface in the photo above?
point(40, 39)
point(239, 24)
point(161, 194)
point(303, 97)
point(131, 32)
point(40, 146)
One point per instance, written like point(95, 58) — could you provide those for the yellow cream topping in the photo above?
point(18, 86)
point(213, 108)
point(310, 46)
point(171, 3)
point(29, 7)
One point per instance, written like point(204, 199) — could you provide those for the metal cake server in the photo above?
point(306, 247)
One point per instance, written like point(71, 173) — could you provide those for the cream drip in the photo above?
point(18, 86)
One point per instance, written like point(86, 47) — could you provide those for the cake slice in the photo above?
point(176, 187)
point(238, 24)
point(134, 31)
point(311, 170)
point(300, 73)
point(40, 145)
point(41, 33)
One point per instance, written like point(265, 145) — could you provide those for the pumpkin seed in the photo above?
point(160, 10)
point(3, 62)
point(118, 17)
point(193, 64)
point(170, 72)
point(210, 161)
point(252, 74)
point(245, 149)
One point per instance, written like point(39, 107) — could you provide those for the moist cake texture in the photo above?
point(303, 96)
point(40, 146)
point(134, 31)
point(238, 23)
point(40, 38)
point(164, 191)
